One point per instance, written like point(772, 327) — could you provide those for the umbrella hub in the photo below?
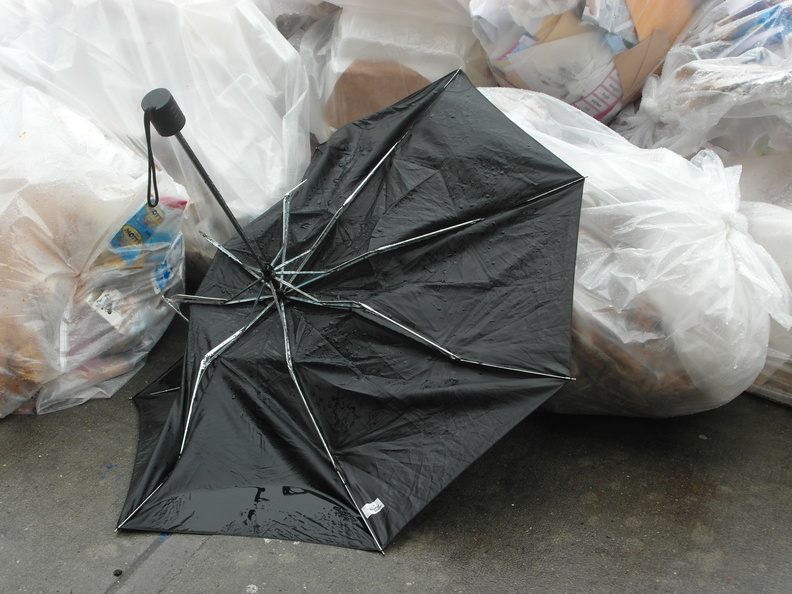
point(269, 272)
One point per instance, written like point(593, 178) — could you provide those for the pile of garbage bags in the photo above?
point(678, 113)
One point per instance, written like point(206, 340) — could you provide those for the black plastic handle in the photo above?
point(163, 112)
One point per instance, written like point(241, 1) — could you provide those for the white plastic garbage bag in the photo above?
point(726, 84)
point(240, 84)
point(673, 298)
point(85, 264)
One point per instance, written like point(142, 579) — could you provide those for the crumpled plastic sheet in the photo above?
point(726, 84)
point(85, 263)
point(674, 299)
point(239, 82)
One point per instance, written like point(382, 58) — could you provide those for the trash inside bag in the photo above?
point(240, 83)
point(363, 60)
point(294, 17)
point(85, 264)
point(673, 298)
point(726, 84)
point(593, 55)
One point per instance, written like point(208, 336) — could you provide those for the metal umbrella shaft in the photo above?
point(161, 110)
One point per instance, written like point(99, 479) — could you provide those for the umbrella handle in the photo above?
point(161, 110)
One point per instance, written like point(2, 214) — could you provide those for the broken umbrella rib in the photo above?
point(293, 374)
point(172, 304)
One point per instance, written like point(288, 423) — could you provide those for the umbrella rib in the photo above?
point(293, 374)
point(207, 359)
point(252, 271)
point(569, 184)
point(286, 215)
point(142, 503)
point(382, 249)
point(427, 341)
point(171, 303)
point(452, 355)
point(250, 285)
point(337, 215)
point(296, 289)
point(203, 300)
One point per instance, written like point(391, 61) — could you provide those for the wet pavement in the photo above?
point(562, 504)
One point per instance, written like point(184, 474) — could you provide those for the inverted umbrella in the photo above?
point(373, 334)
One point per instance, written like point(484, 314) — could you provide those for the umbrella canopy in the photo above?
point(410, 302)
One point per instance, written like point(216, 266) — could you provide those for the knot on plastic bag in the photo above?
point(652, 109)
point(736, 221)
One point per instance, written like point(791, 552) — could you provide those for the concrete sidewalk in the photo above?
point(562, 504)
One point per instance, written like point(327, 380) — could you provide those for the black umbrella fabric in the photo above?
point(414, 305)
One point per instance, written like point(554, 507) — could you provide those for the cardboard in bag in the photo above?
point(368, 86)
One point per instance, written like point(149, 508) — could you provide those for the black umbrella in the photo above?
point(404, 307)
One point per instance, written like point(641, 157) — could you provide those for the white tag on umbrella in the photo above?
point(372, 508)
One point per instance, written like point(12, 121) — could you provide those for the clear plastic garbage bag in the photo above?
point(85, 264)
point(673, 298)
point(726, 84)
point(240, 84)
point(593, 55)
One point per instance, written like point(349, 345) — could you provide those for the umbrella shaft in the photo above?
point(217, 196)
